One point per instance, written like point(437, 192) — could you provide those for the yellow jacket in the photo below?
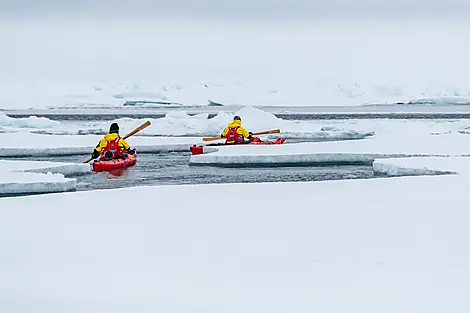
point(110, 137)
point(241, 131)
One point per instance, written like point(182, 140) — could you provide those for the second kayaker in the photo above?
point(112, 146)
point(234, 133)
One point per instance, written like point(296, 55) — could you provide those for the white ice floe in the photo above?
point(27, 144)
point(364, 151)
point(30, 177)
point(22, 183)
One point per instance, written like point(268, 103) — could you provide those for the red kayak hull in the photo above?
point(275, 142)
point(104, 166)
point(200, 149)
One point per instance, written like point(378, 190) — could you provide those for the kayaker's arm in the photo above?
point(224, 133)
point(124, 145)
point(242, 131)
point(96, 152)
point(101, 145)
point(131, 151)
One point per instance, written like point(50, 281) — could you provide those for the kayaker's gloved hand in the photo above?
point(222, 136)
point(95, 154)
point(131, 151)
point(250, 134)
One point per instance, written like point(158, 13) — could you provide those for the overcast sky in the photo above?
point(237, 8)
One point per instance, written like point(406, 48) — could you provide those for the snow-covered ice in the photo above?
point(376, 245)
point(30, 177)
point(364, 151)
point(22, 183)
point(179, 124)
point(44, 167)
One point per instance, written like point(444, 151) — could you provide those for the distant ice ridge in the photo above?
point(324, 91)
point(182, 124)
point(29, 122)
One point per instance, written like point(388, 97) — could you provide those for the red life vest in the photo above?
point(233, 135)
point(114, 148)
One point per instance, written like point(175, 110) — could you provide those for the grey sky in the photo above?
point(237, 8)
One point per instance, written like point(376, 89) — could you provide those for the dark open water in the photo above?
point(173, 169)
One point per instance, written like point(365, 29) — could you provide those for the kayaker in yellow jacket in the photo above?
point(112, 145)
point(235, 133)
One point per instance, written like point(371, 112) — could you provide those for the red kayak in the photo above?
point(274, 142)
point(115, 164)
point(200, 149)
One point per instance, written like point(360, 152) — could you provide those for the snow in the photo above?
point(376, 245)
point(253, 63)
point(363, 151)
point(27, 144)
point(31, 177)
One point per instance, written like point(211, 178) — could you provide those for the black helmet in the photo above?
point(114, 128)
point(237, 118)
